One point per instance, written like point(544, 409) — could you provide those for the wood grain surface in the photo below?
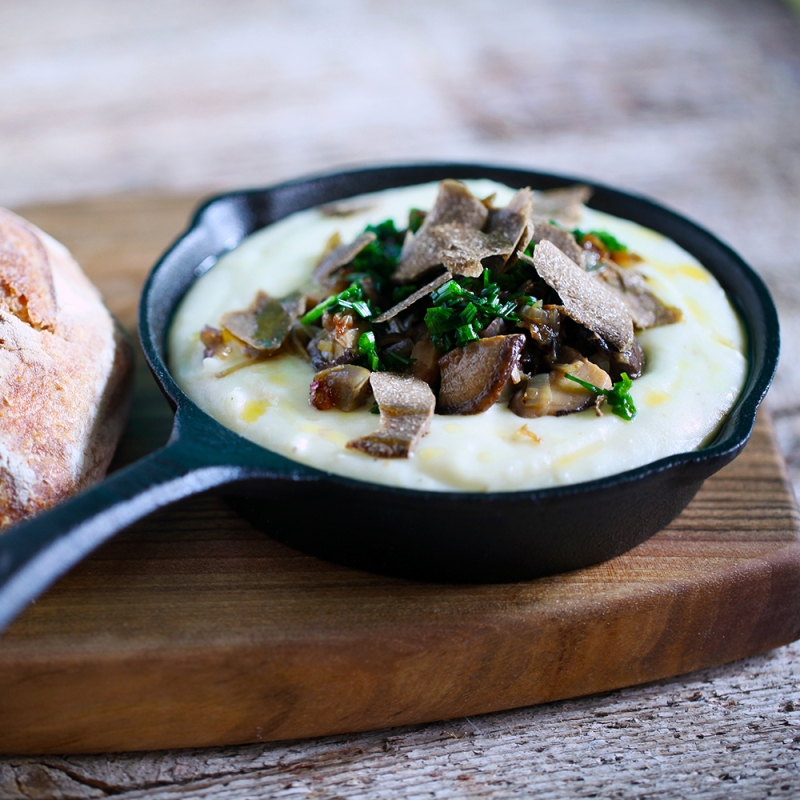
point(694, 104)
point(194, 629)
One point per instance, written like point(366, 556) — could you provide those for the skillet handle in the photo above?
point(34, 553)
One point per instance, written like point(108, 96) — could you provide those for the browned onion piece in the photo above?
point(543, 324)
point(345, 387)
point(553, 394)
point(214, 343)
point(337, 343)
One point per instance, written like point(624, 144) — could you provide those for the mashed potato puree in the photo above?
point(694, 371)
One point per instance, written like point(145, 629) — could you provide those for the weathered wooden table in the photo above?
point(695, 104)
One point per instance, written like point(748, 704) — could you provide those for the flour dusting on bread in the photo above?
point(65, 371)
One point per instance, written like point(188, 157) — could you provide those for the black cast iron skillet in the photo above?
point(445, 536)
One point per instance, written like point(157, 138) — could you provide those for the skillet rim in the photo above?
point(757, 313)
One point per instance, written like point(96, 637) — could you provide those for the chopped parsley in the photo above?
point(618, 396)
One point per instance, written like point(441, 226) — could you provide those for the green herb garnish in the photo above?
point(378, 260)
point(458, 314)
point(396, 361)
point(351, 298)
point(366, 348)
point(608, 241)
point(617, 396)
point(415, 219)
point(401, 292)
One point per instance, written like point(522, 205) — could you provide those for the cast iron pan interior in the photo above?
point(444, 536)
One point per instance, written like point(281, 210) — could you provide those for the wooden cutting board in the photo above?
point(193, 628)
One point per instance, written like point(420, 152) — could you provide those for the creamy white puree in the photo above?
point(695, 369)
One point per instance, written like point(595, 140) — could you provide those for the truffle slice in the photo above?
point(562, 239)
point(406, 405)
point(341, 255)
point(515, 223)
point(427, 289)
point(512, 219)
point(455, 205)
point(463, 249)
point(561, 205)
point(585, 298)
point(646, 309)
point(459, 249)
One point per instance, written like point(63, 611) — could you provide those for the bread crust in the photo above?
point(65, 374)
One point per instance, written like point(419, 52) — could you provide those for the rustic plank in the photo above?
point(692, 104)
point(727, 731)
point(194, 629)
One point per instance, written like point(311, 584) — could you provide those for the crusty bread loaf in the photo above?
point(65, 373)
